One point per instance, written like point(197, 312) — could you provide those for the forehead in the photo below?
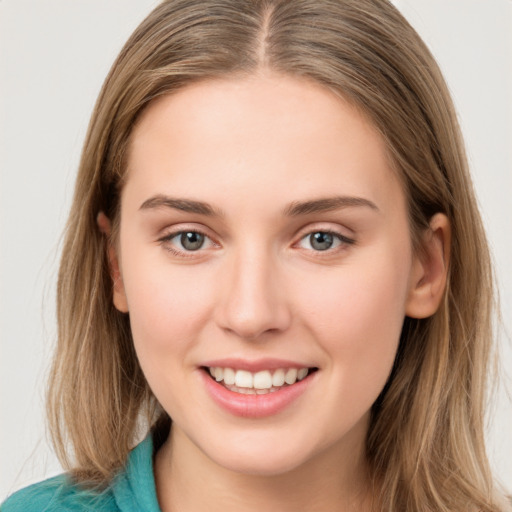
point(258, 137)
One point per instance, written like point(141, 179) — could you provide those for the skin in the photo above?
point(257, 288)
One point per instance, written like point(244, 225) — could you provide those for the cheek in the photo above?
point(167, 312)
point(356, 314)
point(167, 304)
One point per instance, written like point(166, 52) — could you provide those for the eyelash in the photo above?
point(165, 241)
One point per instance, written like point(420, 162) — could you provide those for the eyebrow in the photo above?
point(294, 209)
point(184, 205)
point(327, 204)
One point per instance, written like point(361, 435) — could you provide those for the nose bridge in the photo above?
point(254, 301)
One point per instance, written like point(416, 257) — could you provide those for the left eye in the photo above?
point(323, 241)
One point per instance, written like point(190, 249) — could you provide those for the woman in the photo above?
point(274, 242)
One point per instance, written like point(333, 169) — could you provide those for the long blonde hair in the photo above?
point(425, 444)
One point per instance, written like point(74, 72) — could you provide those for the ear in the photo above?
point(430, 269)
point(119, 297)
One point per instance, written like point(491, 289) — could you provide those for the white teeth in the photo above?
point(219, 374)
point(262, 380)
point(300, 373)
point(291, 376)
point(243, 381)
point(229, 376)
point(278, 378)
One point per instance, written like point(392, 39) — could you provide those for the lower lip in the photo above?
point(255, 406)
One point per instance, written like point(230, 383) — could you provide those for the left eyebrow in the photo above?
point(327, 204)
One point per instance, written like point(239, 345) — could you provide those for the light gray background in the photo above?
point(54, 55)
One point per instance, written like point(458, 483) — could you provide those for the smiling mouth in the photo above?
point(257, 383)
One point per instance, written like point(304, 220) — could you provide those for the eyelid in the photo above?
point(327, 227)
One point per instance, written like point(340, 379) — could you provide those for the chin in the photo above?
point(263, 457)
point(262, 466)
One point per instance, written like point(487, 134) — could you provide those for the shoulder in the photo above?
point(58, 494)
point(131, 490)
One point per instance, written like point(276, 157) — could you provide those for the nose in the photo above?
point(253, 297)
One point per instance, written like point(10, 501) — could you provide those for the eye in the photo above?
point(181, 242)
point(324, 240)
point(191, 240)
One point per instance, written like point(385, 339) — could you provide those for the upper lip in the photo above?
point(255, 365)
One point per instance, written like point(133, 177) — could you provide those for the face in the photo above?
point(263, 239)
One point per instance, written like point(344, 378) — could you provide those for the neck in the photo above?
point(187, 480)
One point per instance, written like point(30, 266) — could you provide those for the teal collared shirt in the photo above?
point(132, 490)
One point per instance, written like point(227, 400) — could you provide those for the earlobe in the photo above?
point(119, 296)
point(429, 271)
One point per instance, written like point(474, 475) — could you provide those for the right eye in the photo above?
point(186, 241)
point(190, 240)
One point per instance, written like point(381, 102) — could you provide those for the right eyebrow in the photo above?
point(184, 205)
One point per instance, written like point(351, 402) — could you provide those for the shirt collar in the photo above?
point(134, 489)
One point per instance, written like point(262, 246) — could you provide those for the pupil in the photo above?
point(321, 241)
point(192, 241)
